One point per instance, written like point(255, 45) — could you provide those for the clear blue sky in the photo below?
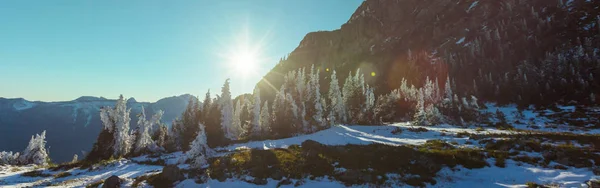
point(148, 49)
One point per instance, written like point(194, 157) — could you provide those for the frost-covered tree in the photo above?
point(367, 111)
point(265, 120)
point(227, 120)
point(9, 158)
point(116, 120)
point(420, 116)
point(236, 116)
point(474, 102)
point(353, 96)
point(75, 158)
point(316, 108)
point(143, 141)
point(199, 151)
point(174, 140)
point(36, 152)
point(337, 111)
point(160, 136)
point(190, 119)
point(255, 124)
point(448, 89)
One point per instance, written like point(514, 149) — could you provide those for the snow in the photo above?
point(472, 6)
point(319, 182)
point(515, 174)
point(460, 41)
point(23, 105)
point(512, 175)
point(123, 168)
point(364, 135)
point(529, 117)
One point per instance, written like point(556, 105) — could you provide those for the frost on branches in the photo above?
point(9, 158)
point(144, 141)
point(231, 131)
point(35, 153)
point(199, 150)
point(116, 120)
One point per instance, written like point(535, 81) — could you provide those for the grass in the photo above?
point(62, 174)
point(66, 182)
point(105, 162)
point(67, 166)
point(36, 173)
point(95, 184)
point(368, 164)
point(159, 162)
point(15, 169)
point(417, 129)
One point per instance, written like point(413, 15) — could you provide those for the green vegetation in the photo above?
point(36, 173)
point(95, 184)
point(368, 164)
point(62, 174)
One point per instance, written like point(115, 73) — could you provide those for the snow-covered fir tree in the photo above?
point(36, 152)
point(237, 111)
point(231, 132)
point(420, 117)
point(315, 98)
point(9, 158)
point(199, 151)
point(336, 113)
point(353, 96)
point(143, 140)
point(265, 120)
point(255, 124)
point(75, 158)
point(116, 120)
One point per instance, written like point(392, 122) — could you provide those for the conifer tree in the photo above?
point(36, 152)
point(199, 151)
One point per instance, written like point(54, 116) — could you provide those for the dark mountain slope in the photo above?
point(501, 50)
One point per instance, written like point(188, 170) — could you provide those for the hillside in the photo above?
point(441, 156)
point(72, 126)
point(505, 51)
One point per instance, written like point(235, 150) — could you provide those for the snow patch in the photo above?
point(460, 41)
point(23, 105)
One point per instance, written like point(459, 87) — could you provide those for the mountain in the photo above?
point(526, 52)
point(72, 126)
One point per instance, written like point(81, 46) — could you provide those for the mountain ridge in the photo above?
point(72, 126)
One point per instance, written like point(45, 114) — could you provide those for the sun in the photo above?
point(244, 63)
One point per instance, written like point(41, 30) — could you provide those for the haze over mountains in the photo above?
point(72, 126)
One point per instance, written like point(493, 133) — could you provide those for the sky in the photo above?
point(148, 49)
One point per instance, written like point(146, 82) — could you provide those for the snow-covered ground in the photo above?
point(364, 135)
point(515, 174)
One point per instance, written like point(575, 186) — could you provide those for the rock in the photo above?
point(593, 183)
point(350, 176)
point(311, 144)
point(172, 173)
point(259, 181)
point(221, 178)
point(299, 183)
point(277, 175)
point(284, 182)
point(112, 182)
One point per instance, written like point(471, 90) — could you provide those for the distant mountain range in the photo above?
point(72, 126)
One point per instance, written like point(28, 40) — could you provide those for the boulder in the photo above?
point(593, 183)
point(351, 175)
point(277, 175)
point(259, 181)
point(112, 182)
point(172, 173)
